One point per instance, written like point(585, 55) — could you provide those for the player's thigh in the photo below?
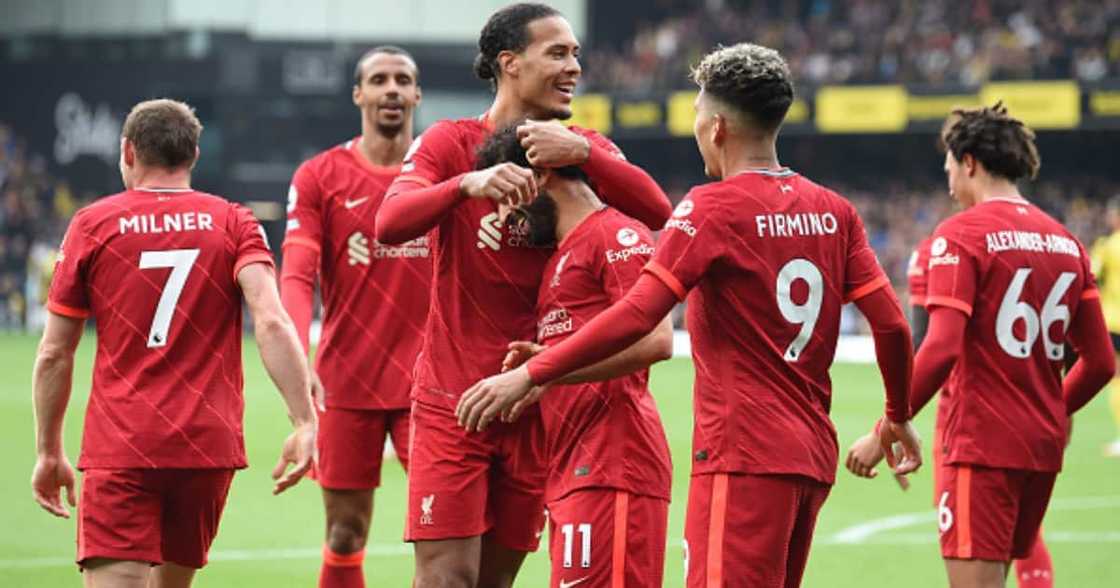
point(351, 445)
point(119, 515)
point(607, 537)
point(449, 477)
point(498, 565)
point(738, 528)
point(447, 563)
point(977, 510)
point(100, 572)
point(171, 575)
point(976, 573)
point(192, 509)
point(516, 502)
point(400, 426)
point(1034, 497)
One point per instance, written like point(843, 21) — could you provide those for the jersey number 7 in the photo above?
point(180, 261)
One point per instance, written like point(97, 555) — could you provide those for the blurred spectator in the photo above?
point(966, 42)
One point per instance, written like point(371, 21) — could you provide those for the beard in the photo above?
point(539, 216)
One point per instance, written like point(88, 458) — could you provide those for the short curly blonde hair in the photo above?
point(751, 78)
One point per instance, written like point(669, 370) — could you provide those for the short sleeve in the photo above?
point(305, 218)
point(953, 272)
point(68, 295)
point(627, 250)
point(691, 241)
point(251, 241)
point(427, 159)
point(862, 273)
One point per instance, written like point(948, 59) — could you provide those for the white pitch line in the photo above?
point(865, 532)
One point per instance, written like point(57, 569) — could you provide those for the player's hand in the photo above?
point(318, 393)
point(907, 456)
point(486, 400)
point(505, 183)
point(298, 451)
point(514, 412)
point(519, 353)
point(551, 144)
point(53, 473)
point(865, 454)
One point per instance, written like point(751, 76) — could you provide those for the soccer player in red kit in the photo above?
point(770, 257)
point(375, 302)
point(1007, 287)
point(609, 470)
point(475, 501)
point(164, 270)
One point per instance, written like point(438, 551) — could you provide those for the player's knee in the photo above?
point(448, 575)
point(347, 535)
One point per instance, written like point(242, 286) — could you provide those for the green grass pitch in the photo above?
point(275, 541)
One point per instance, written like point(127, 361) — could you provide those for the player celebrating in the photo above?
point(771, 256)
point(609, 471)
point(1007, 285)
point(475, 501)
point(164, 270)
point(1106, 266)
point(375, 302)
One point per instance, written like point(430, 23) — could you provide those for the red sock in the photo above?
point(1036, 570)
point(342, 570)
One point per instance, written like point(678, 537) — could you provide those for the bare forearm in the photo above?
point(286, 364)
point(51, 393)
point(654, 347)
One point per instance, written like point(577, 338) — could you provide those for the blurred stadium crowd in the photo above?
point(965, 42)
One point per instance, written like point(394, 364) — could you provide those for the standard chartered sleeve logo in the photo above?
point(490, 232)
point(357, 249)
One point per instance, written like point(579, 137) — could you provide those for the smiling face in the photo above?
point(545, 74)
point(388, 92)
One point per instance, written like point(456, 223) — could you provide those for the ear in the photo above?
point(509, 64)
point(128, 152)
point(356, 94)
point(969, 163)
point(419, 94)
point(543, 176)
point(719, 129)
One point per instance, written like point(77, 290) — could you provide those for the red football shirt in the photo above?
point(916, 273)
point(601, 434)
point(158, 272)
point(375, 296)
point(1019, 275)
point(486, 275)
point(772, 257)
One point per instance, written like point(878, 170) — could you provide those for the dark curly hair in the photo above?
point(505, 146)
point(750, 78)
point(1001, 143)
point(506, 30)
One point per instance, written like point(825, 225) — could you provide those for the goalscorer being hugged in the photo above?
point(375, 302)
point(475, 501)
point(164, 270)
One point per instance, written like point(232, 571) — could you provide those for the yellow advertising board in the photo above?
point(862, 109)
point(938, 107)
point(592, 111)
point(1105, 103)
point(1041, 105)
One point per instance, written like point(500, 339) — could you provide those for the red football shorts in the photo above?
point(464, 484)
point(605, 537)
point(351, 445)
point(749, 530)
point(992, 514)
point(152, 515)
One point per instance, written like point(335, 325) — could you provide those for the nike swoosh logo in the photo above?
point(352, 203)
point(564, 584)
